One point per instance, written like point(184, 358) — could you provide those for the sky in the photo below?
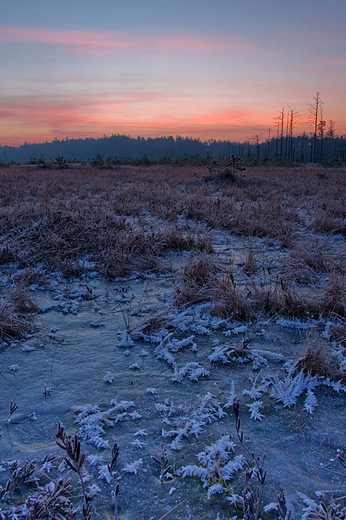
point(208, 69)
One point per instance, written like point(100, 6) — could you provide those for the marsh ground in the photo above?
point(138, 302)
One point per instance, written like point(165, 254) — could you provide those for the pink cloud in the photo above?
point(30, 120)
point(100, 41)
point(150, 114)
point(332, 61)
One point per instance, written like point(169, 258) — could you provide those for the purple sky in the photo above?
point(221, 69)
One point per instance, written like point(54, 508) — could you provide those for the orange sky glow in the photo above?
point(204, 77)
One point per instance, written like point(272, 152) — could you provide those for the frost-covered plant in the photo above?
point(163, 462)
point(19, 474)
point(227, 352)
point(254, 409)
point(138, 445)
point(216, 467)
point(232, 397)
point(126, 340)
point(48, 502)
point(191, 423)
point(133, 467)
point(151, 391)
point(108, 377)
point(175, 345)
point(140, 433)
point(13, 408)
point(330, 508)
point(289, 389)
point(170, 345)
point(242, 354)
point(322, 511)
point(192, 370)
point(91, 422)
point(75, 459)
point(256, 391)
point(310, 402)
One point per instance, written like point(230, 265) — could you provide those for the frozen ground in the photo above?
point(117, 361)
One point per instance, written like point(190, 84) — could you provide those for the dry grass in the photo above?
point(128, 219)
point(263, 202)
point(230, 302)
point(318, 360)
point(29, 276)
point(282, 298)
point(250, 264)
point(333, 298)
point(197, 281)
point(176, 241)
point(13, 323)
point(338, 332)
point(202, 281)
point(22, 302)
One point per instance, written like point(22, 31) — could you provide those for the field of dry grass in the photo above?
point(266, 248)
point(124, 221)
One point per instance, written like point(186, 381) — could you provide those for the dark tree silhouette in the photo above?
point(280, 129)
point(314, 118)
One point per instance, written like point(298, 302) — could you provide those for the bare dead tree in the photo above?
point(268, 144)
point(314, 117)
point(256, 139)
point(291, 119)
point(280, 126)
point(330, 135)
point(321, 127)
point(331, 129)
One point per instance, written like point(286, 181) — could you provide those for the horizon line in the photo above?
point(251, 140)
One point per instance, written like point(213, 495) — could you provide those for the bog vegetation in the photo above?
point(128, 220)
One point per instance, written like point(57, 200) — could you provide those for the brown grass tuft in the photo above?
point(22, 302)
point(229, 301)
point(12, 314)
point(333, 298)
point(12, 324)
point(29, 276)
point(319, 361)
point(284, 299)
point(197, 281)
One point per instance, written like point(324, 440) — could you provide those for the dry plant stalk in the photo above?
point(251, 501)
point(75, 459)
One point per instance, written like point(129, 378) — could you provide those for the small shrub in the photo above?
point(226, 170)
point(61, 163)
point(98, 162)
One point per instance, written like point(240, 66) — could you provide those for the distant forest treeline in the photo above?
point(121, 148)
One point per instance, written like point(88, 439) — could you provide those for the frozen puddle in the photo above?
point(168, 384)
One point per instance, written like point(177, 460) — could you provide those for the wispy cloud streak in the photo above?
point(102, 41)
